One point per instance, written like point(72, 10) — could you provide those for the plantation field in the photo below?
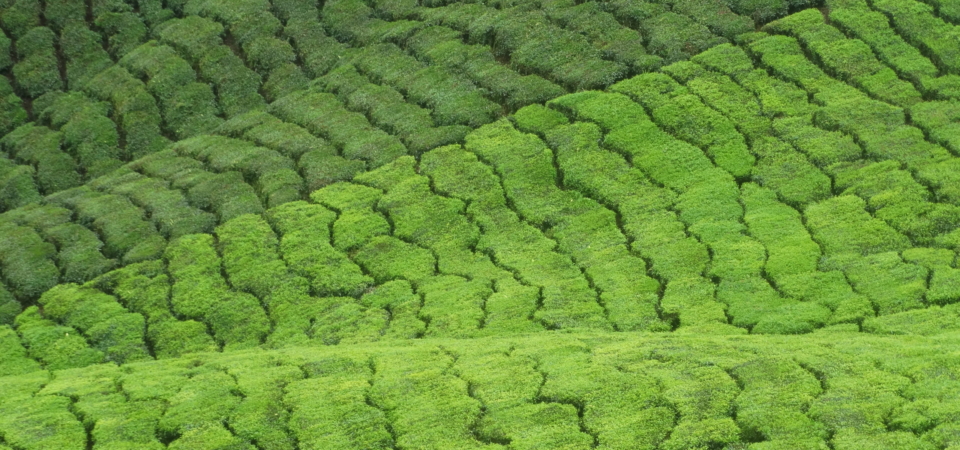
point(502, 224)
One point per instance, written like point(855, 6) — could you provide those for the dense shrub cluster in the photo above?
point(254, 224)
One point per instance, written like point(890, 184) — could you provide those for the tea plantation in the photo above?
point(489, 224)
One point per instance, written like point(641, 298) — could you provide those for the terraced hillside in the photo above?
point(401, 224)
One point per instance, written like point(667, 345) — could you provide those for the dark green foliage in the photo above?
point(125, 31)
point(442, 45)
point(318, 51)
point(199, 292)
point(12, 112)
point(199, 39)
point(87, 131)
point(41, 147)
point(453, 99)
point(189, 108)
point(536, 45)
point(916, 23)
point(126, 235)
point(323, 115)
point(139, 117)
point(9, 307)
point(168, 208)
point(36, 72)
point(615, 41)
point(27, 261)
point(17, 185)
point(20, 17)
point(109, 327)
point(226, 194)
point(60, 13)
point(387, 108)
point(277, 181)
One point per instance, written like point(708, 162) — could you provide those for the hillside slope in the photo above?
point(684, 224)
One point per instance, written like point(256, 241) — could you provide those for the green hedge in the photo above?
point(324, 115)
point(453, 99)
point(199, 292)
point(139, 117)
point(54, 346)
point(126, 235)
point(305, 245)
point(27, 261)
point(850, 59)
point(168, 208)
point(36, 71)
point(199, 40)
point(109, 327)
point(441, 45)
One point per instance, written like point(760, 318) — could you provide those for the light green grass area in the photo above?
point(498, 224)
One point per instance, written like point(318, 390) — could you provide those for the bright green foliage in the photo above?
point(54, 346)
point(387, 258)
point(109, 327)
point(195, 415)
point(15, 360)
point(356, 222)
point(305, 247)
point(895, 197)
point(776, 392)
point(851, 59)
point(407, 391)
point(199, 292)
point(252, 263)
point(398, 299)
point(261, 417)
point(41, 422)
point(582, 227)
point(329, 410)
point(841, 224)
point(144, 288)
